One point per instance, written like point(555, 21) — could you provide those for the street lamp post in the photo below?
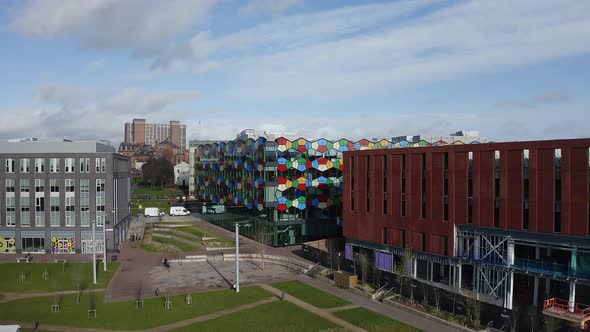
point(94, 250)
point(237, 258)
point(104, 243)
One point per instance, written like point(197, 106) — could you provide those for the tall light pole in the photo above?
point(104, 242)
point(94, 250)
point(237, 258)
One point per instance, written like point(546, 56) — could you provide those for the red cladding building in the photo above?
point(477, 219)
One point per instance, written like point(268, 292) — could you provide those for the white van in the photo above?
point(152, 212)
point(179, 211)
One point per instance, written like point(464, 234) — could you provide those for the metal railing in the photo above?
point(557, 305)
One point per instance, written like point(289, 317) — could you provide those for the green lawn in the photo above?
point(58, 280)
point(180, 245)
point(372, 321)
point(310, 294)
point(156, 192)
point(179, 234)
point(124, 315)
point(218, 242)
point(270, 317)
point(192, 230)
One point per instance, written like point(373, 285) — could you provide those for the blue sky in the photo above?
point(514, 70)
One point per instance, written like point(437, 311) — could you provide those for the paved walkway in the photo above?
point(320, 312)
point(17, 296)
point(389, 311)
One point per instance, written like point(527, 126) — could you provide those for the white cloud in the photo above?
point(77, 113)
point(264, 7)
point(143, 26)
point(371, 49)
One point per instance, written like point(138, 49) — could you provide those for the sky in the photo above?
point(514, 70)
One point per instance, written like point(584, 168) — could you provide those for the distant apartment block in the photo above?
point(462, 136)
point(52, 191)
point(140, 132)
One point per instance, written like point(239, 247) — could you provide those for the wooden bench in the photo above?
point(61, 260)
point(23, 259)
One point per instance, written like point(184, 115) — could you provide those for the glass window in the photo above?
point(25, 165)
point(9, 165)
point(24, 185)
point(70, 162)
point(85, 202)
point(54, 165)
point(54, 185)
point(39, 165)
point(40, 211)
point(25, 214)
point(97, 165)
point(9, 185)
point(33, 244)
point(70, 185)
point(54, 215)
point(10, 211)
point(103, 165)
point(39, 185)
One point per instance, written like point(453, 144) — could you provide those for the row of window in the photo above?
point(54, 206)
point(100, 165)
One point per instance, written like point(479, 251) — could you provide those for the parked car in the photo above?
point(152, 212)
point(179, 211)
point(144, 196)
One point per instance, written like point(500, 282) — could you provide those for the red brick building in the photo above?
point(479, 219)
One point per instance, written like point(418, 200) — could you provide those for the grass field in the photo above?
point(124, 315)
point(275, 316)
point(193, 230)
point(179, 234)
point(372, 321)
point(156, 192)
point(180, 245)
point(310, 294)
point(58, 279)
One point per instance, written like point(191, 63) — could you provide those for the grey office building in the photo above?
point(52, 191)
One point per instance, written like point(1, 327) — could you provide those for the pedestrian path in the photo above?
point(17, 296)
point(320, 312)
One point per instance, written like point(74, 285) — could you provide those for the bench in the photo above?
point(23, 259)
point(61, 260)
point(113, 258)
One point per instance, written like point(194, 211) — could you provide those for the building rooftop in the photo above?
point(54, 146)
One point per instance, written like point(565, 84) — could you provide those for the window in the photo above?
point(424, 198)
point(100, 202)
point(557, 186)
point(103, 165)
point(24, 185)
point(385, 185)
point(384, 234)
point(97, 165)
point(470, 188)
point(496, 188)
point(70, 164)
point(70, 185)
point(9, 165)
point(9, 185)
point(85, 202)
point(40, 211)
point(25, 214)
point(39, 165)
point(25, 164)
point(84, 165)
point(70, 211)
point(423, 241)
point(10, 211)
point(525, 189)
point(403, 196)
point(352, 176)
point(368, 183)
point(54, 216)
point(54, 165)
point(40, 185)
point(33, 244)
point(446, 187)
point(54, 185)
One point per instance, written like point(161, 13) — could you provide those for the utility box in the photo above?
point(345, 280)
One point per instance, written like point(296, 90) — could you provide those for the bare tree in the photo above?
point(474, 311)
point(436, 294)
point(401, 270)
point(263, 239)
point(364, 261)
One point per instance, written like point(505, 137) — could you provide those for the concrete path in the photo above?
point(17, 296)
point(391, 312)
point(320, 312)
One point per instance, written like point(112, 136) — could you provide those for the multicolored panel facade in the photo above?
point(231, 173)
point(298, 178)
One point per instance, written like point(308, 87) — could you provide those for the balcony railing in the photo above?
point(561, 308)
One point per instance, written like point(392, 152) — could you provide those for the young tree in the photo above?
point(263, 239)
point(474, 311)
point(364, 262)
point(403, 269)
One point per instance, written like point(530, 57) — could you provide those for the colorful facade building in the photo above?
point(505, 223)
point(293, 186)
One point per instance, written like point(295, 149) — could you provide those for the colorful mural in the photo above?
point(7, 245)
point(63, 245)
